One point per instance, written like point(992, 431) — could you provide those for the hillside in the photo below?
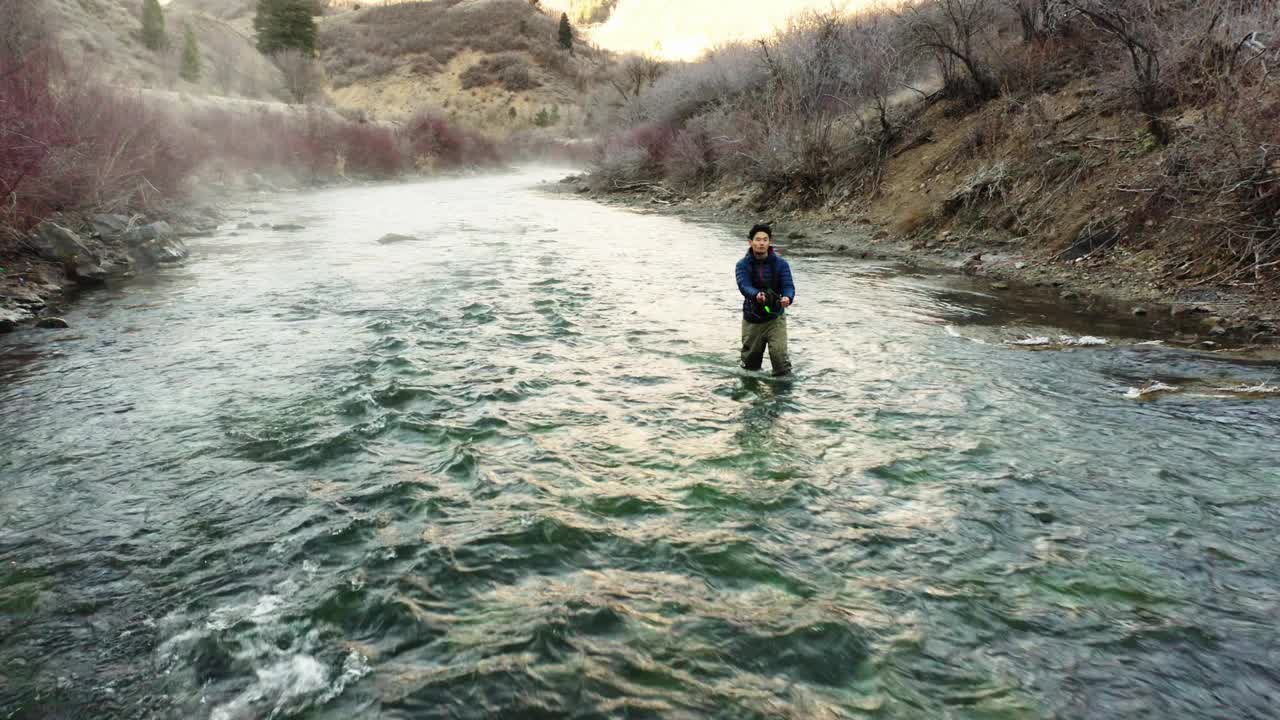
point(103, 37)
point(1105, 145)
point(494, 64)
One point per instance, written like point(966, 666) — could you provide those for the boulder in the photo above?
point(52, 323)
point(156, 244)
point(23, 297)
point(145, 233)
point(55, 242)
point(11, 317)
point(86, 273)
point(110, 227)
point(167, 251)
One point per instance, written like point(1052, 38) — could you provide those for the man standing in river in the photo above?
point(764, 279)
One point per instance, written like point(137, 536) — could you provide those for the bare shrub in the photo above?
point(1046, 65)
point(618, 164)
point(1038, 19)
point(638, 154)
point(303, 76)
point(958, 30)
point(636, 73)
point(439, 29)
point(878, 46)
point(656, 94)
point(690, 163)
point(1222, 47)
point(810, 91)
point(1135, 24)
point(224, 68)
point(508, 69)
point(518, 77)
point(989, 182)
point(435, 142)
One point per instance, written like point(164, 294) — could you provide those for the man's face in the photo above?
point(760, 243)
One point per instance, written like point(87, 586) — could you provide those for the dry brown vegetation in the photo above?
point(102, 36)
point(1142, 129)
point(426, 36)
point(69, 143)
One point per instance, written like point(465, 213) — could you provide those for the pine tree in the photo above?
point(286, 24)
point(190, 58)
point(153, 25)
point(566, 33)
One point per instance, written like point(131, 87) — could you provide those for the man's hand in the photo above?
point(786, 302)
point(760, 297)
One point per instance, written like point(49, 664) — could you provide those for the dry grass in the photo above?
point(428, 35)
point(102, 36)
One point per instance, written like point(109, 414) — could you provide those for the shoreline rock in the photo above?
point(76, 253)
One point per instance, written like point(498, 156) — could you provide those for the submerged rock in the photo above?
point(287, 226)
point(391, 238)
point(1062, 341)
point(1151, 389)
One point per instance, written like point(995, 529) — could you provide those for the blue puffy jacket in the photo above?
point(756, 276)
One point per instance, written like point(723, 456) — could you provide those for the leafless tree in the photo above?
point(634, 75)
point(956, 29)
point(1038, 18)
point(1134, 24)
point(302, 73)
point(878, 47)
point(225, 65)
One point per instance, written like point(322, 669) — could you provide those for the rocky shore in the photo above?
point(46, 268)
point(1100, 286)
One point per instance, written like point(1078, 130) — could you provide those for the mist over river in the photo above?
point(506, 467)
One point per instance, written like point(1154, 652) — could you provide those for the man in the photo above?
point(764, 279)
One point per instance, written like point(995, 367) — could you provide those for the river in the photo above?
point(510, 470)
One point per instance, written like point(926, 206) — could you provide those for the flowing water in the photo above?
point(510, 470)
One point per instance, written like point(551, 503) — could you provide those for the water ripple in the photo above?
point(513, 471)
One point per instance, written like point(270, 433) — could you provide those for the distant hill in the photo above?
point(495, 64)
point(670, 29)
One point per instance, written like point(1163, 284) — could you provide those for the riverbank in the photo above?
point(1115, 287)
point(46, 270)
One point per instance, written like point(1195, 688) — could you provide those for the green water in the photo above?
point(511, 471)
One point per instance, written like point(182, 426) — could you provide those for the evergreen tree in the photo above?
point(566, 33)
point(153, 25)
point(190, 58)
point(286, 24)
